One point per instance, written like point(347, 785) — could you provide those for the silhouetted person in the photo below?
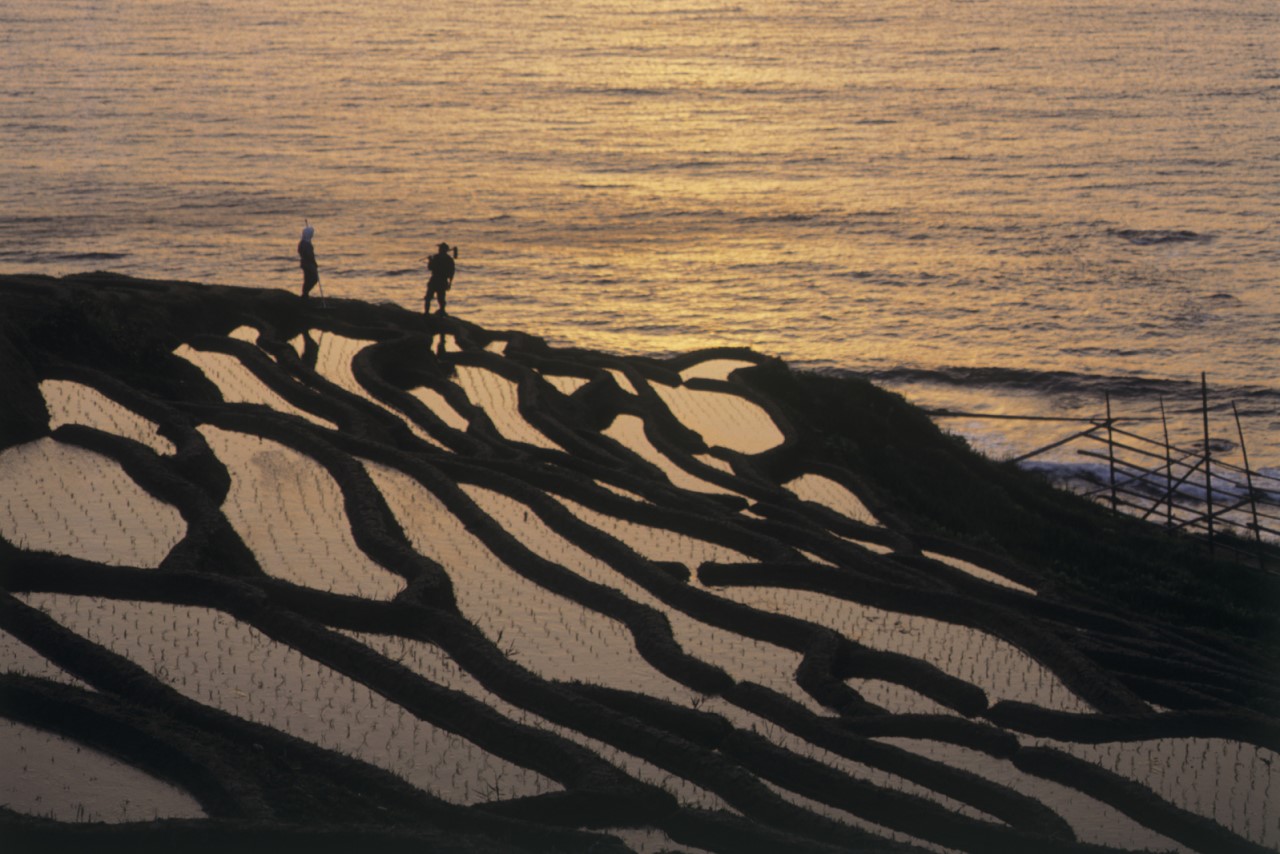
point(307, 257)
point(442, 269)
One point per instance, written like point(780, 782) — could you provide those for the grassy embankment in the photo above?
point(933, 483)
point(929, 481)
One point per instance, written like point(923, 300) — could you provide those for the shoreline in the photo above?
point(669, 531)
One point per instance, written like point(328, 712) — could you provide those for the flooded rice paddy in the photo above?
point(465, 572)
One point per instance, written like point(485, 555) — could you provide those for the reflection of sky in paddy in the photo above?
point(723, 420)
point(17, 657)
point(657, 544)
point(714, 369)
point(74, 403)
point(832, 495)
point(499, 398)
point(550, 635)
point(334, 362)
point(979, 572)
point(1234, 783)
point(623, 381)
point(91, 786)
point(433, 663)
point(443, 410)
point(289, 510)
point(742, 657)
point(65, 499)
point(897, 699)
point(213, 658)
point(1093, 821)
point(239, 385)
point(1000, 669)
point(628, 430)
point(565, 384)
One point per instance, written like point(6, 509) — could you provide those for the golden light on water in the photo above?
point(863, 186)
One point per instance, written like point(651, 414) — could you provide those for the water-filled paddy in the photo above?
point(595, 659)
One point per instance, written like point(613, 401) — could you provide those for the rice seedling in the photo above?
point(76, 403)
point(54, 777)
point(17, 657)
point(1094, 822)
point(291, 512)
point(1231, 782)
point(499, 398)
point(45, 504)
point(628, 430)
point(437, 403)
point(1000, 669)
point(239, 385)
point(721, 419)
point(307, 699)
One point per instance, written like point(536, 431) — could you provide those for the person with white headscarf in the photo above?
point(307, 255)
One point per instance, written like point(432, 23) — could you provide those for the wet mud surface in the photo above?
point(289, 574)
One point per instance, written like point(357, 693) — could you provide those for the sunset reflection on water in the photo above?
point(876, 187)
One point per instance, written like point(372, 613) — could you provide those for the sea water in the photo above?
point(998, 207)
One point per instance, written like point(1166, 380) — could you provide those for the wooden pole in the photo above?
point(1208, 454)
point(1049, 447)
point(1248, 478)
point(1168, 468)
point(1111, 456)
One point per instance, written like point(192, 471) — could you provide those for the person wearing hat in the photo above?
point(307, 256)
point(442, 269)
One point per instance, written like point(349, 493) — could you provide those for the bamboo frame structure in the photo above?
point(1147, 476)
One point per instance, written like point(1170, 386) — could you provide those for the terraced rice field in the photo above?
point(556, 601)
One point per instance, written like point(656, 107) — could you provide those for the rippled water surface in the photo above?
point(1008, 207)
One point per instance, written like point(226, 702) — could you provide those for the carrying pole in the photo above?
point(324, 303)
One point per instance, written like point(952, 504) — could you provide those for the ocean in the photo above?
point(1000, 208)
